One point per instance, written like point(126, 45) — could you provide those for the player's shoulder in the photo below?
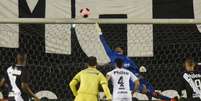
point(186, 73)
point(82, 71)
point(118, 70)
point(94, 70)
point(114, 70)
point(183, 73)
point(99, 72)
point(128, 72)
point(125, 70)
point(10, 68)
point(111, 72)
point(91, 69)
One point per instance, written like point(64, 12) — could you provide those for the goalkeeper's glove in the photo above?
point(98, 29)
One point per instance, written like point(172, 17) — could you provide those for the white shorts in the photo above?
point(122, 99)
point(16, 96)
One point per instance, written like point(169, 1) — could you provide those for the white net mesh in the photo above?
point(56, 52)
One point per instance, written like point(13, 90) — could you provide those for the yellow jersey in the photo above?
point(90, 79)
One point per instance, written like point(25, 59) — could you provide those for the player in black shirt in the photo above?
point(15, 81)
point(191, 81)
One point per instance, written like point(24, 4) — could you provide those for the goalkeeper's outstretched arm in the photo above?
point(108, 50)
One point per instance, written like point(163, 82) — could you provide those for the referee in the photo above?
point(191, 81)
point(89, 80)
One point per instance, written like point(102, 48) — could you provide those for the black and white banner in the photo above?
point(66, 46)
point(57, 37)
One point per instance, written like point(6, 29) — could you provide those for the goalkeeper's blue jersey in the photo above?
point(128, 63)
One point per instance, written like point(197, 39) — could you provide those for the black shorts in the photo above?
point(24, 97)
point(190, 99)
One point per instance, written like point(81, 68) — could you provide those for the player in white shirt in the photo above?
point(120, 80)
point(15, 81)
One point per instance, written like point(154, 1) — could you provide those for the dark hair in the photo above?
point(92, 61)
point(189, 60)
point(119, 62)
point(22, 56)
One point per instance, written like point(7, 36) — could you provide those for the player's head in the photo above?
point(119, 63)
point(21, 58)
point(119, 50)
point(92, 61)
point(189, 64)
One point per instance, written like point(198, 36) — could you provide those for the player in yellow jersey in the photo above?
point(89, 79)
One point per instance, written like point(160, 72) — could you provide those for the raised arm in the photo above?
point(133, 67)
point(73, 84)
point(108, 50)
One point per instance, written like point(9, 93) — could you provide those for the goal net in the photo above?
point(57, 49)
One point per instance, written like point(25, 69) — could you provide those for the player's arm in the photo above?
point(25, 86)
point(138, 86)
point(181, 86)
point(74, 82)
point(108, 75)
point(135, 80)
point(2, 82)
point(28, 90)
point(133, 68)
point(108, 50)
point(104, 85)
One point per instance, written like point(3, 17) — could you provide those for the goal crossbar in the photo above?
point(94, 20)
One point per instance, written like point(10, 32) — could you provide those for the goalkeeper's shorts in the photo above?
point(86, 97)
point(148, 85)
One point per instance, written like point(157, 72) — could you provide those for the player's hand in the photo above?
point(106, 99)
point(98, 28)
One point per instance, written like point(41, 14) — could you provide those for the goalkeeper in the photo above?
point(89, 79)
point(145, 87)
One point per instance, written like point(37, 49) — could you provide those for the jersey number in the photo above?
point(198, 83)
point(121, 81)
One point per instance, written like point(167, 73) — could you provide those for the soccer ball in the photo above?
point(85, 12)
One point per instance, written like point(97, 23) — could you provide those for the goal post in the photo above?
point(94, 20)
